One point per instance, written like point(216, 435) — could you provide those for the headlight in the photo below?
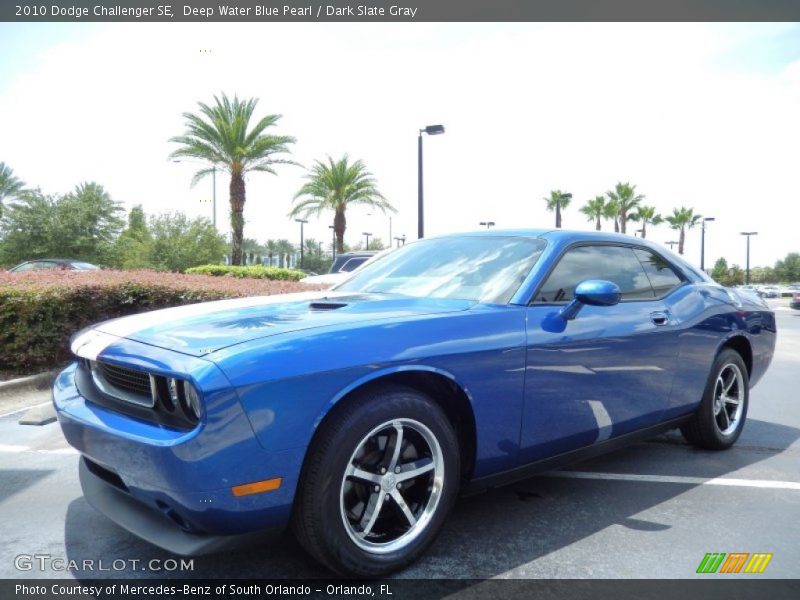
point(172, 396)
point(191, 401)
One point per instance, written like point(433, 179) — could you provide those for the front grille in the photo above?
point(136, 382)
point(140, 394)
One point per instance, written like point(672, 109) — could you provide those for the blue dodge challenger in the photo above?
point(357, 415)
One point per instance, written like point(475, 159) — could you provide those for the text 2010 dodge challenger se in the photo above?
point(357, 415)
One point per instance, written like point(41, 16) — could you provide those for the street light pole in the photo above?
point(366, 235)
point(703, 243)
point(430, 130)
point(488, 224)
point(333, 242)
point(302, 222)
point(747, 268)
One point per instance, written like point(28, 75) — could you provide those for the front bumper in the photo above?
point(178, 477)
point(159, 529)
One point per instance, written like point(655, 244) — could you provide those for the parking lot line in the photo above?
point(24, 408)
point(722, 481)
point(14, 449)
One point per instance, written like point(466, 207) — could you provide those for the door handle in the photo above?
point(659, 317)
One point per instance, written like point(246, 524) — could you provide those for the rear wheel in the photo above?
point(379, 480)
point(720, 417)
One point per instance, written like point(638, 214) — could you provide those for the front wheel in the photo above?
point(719, 419)
point(379, 480)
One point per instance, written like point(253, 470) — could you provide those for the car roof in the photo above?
point(560, 235)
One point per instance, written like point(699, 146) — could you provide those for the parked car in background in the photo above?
point(357, 415)
point(49, 264)
point(770, 291)
point(795, 302)
point(345, 263)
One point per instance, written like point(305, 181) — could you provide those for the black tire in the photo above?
point(329, 529)
point(706, 427)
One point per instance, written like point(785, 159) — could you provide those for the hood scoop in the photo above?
point(326, 305)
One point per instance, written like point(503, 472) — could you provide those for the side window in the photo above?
point(610, 263)
point(661, 274)
point(25, 267)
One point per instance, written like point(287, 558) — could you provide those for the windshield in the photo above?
point(480, 268)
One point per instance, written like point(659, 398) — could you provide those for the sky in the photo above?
point(698, 115)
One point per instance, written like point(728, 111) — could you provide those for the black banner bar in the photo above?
point(398, 10)
point(712, 588)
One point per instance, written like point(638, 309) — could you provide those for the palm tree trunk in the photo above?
point(681, 239)
point(623, 217)
point(597, 225)
point(558, 215)
point(644, 228)
point(237, 192)
point(339, 226)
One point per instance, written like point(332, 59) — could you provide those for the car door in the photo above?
point(610, 370)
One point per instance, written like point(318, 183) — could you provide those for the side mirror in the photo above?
point(594, 292)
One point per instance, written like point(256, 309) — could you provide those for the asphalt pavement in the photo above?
point(652, 510)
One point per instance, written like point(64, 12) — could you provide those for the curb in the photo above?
point(40, 381)
point(38, 415)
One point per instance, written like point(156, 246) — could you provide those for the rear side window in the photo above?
point(661, 274)
point(610, 263)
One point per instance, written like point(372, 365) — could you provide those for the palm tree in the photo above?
point(611, 211)
point(221, 136)
point(595, 209)
point(646, 214)
point(682, 219)
point(271, 248)
point(10, 186)
point(335, 186)
point(627, 200)
point(557, 201)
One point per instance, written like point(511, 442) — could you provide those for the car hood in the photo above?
point(200, 329)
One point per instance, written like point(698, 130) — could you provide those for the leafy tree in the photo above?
point(95, 218)
point(682, 219)
point(763, 275)
point(788, 269)
point(83, 225)
point(627, 200)
point(335, 186)
point(10, 186)
point(720, 270)
point(556, 202)
point(645, 215)
point(221, 136)
point(735, 276)
point(134, 246)
point(595, 210)
point(375, 243)
point(179, 243)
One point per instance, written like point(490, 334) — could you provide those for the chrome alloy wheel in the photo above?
point(392, 486)
point(728, 399)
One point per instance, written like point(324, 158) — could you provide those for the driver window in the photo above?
point(610, 263)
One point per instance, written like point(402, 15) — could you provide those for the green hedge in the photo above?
point(250, 272)
point(39, 312)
